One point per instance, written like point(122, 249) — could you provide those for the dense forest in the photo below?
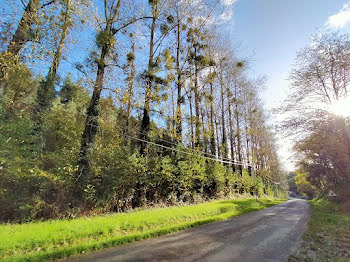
point(106, 106)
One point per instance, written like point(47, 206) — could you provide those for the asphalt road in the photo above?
point(266, 235)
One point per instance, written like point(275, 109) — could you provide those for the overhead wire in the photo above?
point(188, 153)
point(195, 153)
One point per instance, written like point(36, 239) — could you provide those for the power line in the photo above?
point(172, 143)
point(198, 155)
point(228, 161)
point(188, 153)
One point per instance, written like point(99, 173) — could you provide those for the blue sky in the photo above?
point(272, 31)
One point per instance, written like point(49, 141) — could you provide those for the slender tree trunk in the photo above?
point(51, 78)
point(130, 90)
point(139, 195)
point(196, 105)
point(178, 117)
point(46, 93)
point(91, 123)
point(232, 140)
point(238, 135)
point(92, 112)
point(224, 138)
point(173, 119)
point(248, 153)
point(205, 140)
point(21, 36)
point(217, 137)
point(212, 132)
point(145, 125)
point(207, 111)
point(191, 120)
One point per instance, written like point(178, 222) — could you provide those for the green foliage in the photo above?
point(35, 179)
point(244, 182)
point(291, 182)
point(17, 87)
point(61, 134)
point(260, 186)
point(105, 39)
point(215, 179)
point(26, 191)
point(18, 148)
point(192, 175)
point(130, 57)
point(164, 28)
point(114, 179)
point(71, 91)
point(304, 186)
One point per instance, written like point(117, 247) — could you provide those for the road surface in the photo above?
point(267, 235)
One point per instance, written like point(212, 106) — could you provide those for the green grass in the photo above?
point(327, 237)
point(42, 241)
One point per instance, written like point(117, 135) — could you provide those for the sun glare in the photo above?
point(341, 107)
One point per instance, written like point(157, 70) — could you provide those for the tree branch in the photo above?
point(48, 3)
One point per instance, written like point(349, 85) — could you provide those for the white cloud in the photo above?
point(228, 2)
point(340, 19)
point(226, 16)
point(227, 13)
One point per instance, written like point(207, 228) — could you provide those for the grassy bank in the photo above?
point(327, 237)
point(41, 241)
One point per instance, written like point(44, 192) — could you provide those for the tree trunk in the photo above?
point(57, 57)
point(47, 94)
point(232, 140)
point(224, 138)
point(217, 137)
point(205, 140)
point(92, 112)
point(145, 125)
point(21, 36)
point(46, 91)
point(178, 117)
point(196, 105)
point(130, 90)
point(238, 135)
point(191, 120)
point(248, 153)
point(91, 123)
point(212, 132)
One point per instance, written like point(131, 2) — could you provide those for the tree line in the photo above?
point(158, 109)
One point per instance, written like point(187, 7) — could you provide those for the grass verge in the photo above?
point(54, 239)
point(327, 237)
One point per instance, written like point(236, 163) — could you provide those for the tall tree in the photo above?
point(46, 91)
point(130, 83)
point(105, 42)
point(157, 10)
point(199, 61)
point(221, 67)
point(22, 34)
